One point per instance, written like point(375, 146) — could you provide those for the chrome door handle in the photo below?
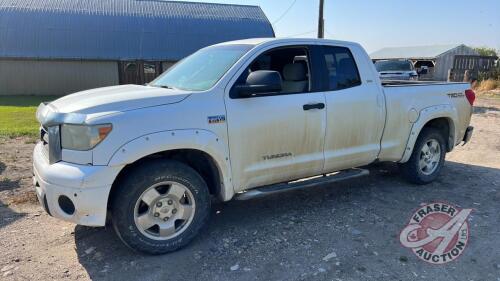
point(313, 106)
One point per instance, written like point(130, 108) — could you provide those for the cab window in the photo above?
point(292, 63)
point(341, 69)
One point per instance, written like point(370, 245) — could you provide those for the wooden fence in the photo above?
point(467, 67)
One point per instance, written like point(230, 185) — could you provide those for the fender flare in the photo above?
point(197, 139)
point(425, 115)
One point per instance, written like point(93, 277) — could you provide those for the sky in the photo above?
point(387, 23)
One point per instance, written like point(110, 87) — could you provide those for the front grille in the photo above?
point(44, 136)
point(51, 140)
point(44, 139)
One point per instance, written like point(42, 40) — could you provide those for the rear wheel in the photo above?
point(427, 157)
point(161, 206)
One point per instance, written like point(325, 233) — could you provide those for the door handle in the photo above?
point(313, 106)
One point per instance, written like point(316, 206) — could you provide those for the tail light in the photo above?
point(471, 96)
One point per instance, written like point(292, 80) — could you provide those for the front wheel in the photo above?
point(427, 157)
point(160, 207)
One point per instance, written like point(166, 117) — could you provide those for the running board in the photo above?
point(300, 184)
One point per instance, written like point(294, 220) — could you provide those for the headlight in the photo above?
point(413, 75)
point(83, 137)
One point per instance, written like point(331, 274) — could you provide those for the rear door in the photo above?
point(355, 109)
point(276, 137)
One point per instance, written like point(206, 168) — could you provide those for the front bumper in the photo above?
point(468, 134)
point(87, 187)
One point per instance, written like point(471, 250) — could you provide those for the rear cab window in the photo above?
point(339, 69)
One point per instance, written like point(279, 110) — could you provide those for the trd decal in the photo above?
point(456, 95)
point(216, 119)
point(279, 155)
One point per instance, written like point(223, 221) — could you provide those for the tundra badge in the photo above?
point(455, 95)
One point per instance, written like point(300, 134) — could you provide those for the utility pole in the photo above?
point(321, 20)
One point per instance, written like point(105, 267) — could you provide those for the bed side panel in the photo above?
point(405, 105)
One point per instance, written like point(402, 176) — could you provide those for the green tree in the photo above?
point(486, 51)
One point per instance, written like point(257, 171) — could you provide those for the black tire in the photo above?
point(411, 169)
point(139, 179)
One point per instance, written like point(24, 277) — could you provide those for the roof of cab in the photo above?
point(259, 41)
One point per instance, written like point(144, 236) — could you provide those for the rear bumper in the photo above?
point(87, 188)
point(468, 134)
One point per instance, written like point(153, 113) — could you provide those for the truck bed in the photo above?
point(404, 97)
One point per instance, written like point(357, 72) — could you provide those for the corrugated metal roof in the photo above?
point(428, 52)
point(122, 29)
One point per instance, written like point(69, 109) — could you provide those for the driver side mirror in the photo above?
point(260, 82)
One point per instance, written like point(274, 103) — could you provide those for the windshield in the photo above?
point(201, 70)
point(393, 65)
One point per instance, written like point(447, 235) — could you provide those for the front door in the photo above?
point(273, 137)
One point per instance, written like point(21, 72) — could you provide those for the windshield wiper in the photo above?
point(163, 86)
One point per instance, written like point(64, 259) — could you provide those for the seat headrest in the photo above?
point(294, 72)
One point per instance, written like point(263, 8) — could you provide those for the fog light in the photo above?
point(66, 205)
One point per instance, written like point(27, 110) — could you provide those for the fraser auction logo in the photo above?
point(437, 233)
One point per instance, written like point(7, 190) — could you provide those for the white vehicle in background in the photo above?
point(237, 120)
point(396, 70)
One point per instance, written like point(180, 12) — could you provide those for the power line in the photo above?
point(286, 11)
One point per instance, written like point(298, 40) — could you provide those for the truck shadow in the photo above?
point(8, 215)
point(345, 215)
point(5, 182)
point(8, 184)
point(484, 109)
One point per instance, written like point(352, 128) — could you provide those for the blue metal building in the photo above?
point(61, 46)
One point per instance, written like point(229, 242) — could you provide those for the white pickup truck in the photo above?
point(236, 120)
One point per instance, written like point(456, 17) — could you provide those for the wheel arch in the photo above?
point(198, 160)
point(441, 117)
point(446, 126)
point(202, 150)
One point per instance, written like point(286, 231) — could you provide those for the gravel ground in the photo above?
point(344, 231)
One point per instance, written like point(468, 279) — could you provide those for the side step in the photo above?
point(300, 184)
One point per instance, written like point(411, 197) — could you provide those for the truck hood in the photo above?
point(117, 99)
point(80, 107)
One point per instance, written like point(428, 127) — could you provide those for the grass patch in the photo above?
point(489, 88)
point(488, 85)
point(17, 115)
point(495, 94)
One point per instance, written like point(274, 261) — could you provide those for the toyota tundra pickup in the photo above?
point(236, 120)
